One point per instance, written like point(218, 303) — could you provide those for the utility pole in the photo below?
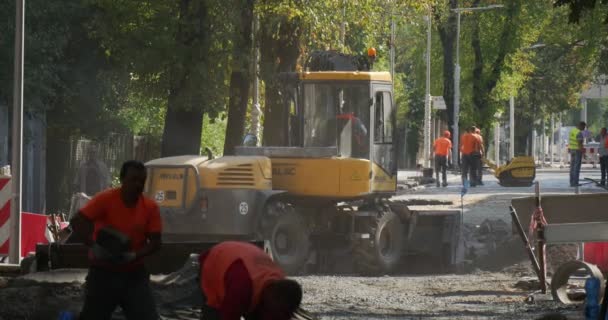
point(456, 137)
point(497, 139)
point(17, 136)
point(427, 97)
point(343, 26)
point(511, 128)
point(392, 52)
point(256, 110)
point(552, 138)
point(584, 110)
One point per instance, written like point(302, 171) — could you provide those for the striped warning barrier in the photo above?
point(5, 212)
point(590, 151)
point(33, 226)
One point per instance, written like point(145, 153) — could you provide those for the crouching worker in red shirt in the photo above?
point(121, 226)
point(240, 280)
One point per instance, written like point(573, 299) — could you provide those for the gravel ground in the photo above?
point(486, 291)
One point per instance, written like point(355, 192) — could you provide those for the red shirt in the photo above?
point(238, 290)
point(108, 209)
point(442, 146)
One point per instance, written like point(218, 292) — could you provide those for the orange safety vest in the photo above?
point(261, 269)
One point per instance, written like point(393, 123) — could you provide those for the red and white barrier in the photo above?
point(5, 212)
point(33, 226)
point(591, 155)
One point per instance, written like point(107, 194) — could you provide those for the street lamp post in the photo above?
point(17, 135)
point(457, 76)
point(427, 97)
point(511, 128)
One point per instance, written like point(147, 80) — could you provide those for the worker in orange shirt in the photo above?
point(478, 155)
point(121, 227)
point(468, 145)
point(238, 279)
point(442, 147)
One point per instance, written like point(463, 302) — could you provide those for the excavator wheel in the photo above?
point(383, 251)
point(290, 242)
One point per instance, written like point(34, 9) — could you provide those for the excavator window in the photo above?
point(383, 114)
point(337, 115)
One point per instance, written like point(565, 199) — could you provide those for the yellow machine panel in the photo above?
point(322, 177)
point(236, 172)
point(172, 187)
point(174, 181)
point(382, 181)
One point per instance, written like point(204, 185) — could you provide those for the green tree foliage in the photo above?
point(175, 51)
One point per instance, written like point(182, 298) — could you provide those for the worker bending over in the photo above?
point(442, 147)
point(122, 227)
point(240, 280)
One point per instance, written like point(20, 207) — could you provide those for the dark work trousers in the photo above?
point(478, 168)
point(469, 169)
point(604, 168)
point(441, 165)
point(576, 157)
point(105, 290)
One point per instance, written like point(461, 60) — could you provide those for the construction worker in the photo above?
point(603, 152)
point(478, 156)
point(575, 147)
point(442, 147)
point(468, 145)
point(238, 279)
point(117, 277)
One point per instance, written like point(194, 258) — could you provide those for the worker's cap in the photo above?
point(446, 134)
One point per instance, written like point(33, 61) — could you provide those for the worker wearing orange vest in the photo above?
point(478, 156)
point(442, 147)
point(240, 280)
point(469, 145)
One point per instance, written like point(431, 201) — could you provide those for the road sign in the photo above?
point(438, 103)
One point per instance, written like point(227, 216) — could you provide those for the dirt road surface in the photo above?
point(486, 290)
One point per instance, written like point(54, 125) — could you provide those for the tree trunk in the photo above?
point(447, 35)
point(239, 80)
point(184, 118)
point(183, 128)
point(280, 54)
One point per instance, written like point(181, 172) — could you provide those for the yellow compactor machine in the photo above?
point(322, 201)
point(519, 172)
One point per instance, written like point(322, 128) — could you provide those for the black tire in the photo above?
point(290, 242)
point(384, 253)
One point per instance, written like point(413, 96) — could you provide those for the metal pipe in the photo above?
point(256, 110)
point(17, 137)
point(456, 136)
point(497, 143)
point(427, 97)
point(511, 127)
point(552, 144)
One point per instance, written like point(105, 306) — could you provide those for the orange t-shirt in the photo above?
point(260, 267)
point(442, 146)
point(469, 144)
point(108, 209)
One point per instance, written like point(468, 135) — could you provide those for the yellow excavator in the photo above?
point(321, 202)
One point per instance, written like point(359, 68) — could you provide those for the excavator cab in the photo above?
point(351, 112)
